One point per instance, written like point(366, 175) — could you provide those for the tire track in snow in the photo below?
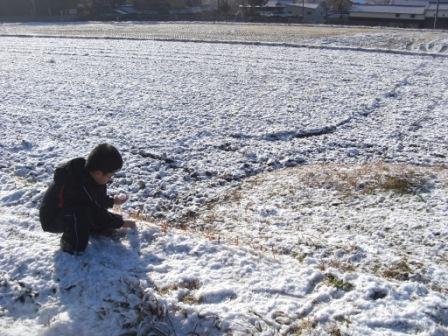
point(316, 132)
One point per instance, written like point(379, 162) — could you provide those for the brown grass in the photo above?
point(265, 32)
point(191, 284)
point(349, 180)
point(190, 299)
point(302, 327)
point(399, 271)
point(334, 330)
point(342, 266)
point(367, 179)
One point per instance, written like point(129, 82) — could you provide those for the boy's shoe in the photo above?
point(68, 248)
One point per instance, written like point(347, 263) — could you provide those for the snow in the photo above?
point(383, 39)
point(262, 178)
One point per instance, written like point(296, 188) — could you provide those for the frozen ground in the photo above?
point(320, 36)
point(333, 244)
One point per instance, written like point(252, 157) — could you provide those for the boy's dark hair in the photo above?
point(104, 158)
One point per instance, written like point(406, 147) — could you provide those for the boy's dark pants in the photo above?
point(78, 223)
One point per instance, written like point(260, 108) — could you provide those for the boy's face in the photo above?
point(100, 177)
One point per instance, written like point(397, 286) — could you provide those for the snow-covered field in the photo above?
point(316, 36)
point(280, 191)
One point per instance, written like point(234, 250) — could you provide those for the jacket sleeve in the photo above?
point(98, 196)
point(106, 201)
point(109, 202)
point(106, 219)
point(116, 221)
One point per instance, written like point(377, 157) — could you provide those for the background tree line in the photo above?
point(33, 8)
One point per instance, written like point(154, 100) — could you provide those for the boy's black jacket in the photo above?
point(73, 187)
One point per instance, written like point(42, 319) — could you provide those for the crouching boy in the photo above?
point(76, 202)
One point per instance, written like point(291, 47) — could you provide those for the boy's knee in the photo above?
point(54, 225)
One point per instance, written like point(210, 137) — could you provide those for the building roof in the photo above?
point(388, 9)
point(442, 6)
point(189, 10)
point(409, 2)
point(126, 9)
point(306, 5)
point(279, 3)
point(272, 3)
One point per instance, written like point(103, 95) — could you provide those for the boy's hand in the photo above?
point(120, 199)
point(130, 224)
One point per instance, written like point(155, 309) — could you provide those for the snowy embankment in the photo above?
point(231, 242)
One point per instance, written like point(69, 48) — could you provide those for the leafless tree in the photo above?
point(339, 6)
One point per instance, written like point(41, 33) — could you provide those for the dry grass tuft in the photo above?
point(191, 284)
point(368, 178)
point(400, 271)
point(334, 281)
point(334, 330)
point(190, 299)
point(342, 266)
point(302, 327)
